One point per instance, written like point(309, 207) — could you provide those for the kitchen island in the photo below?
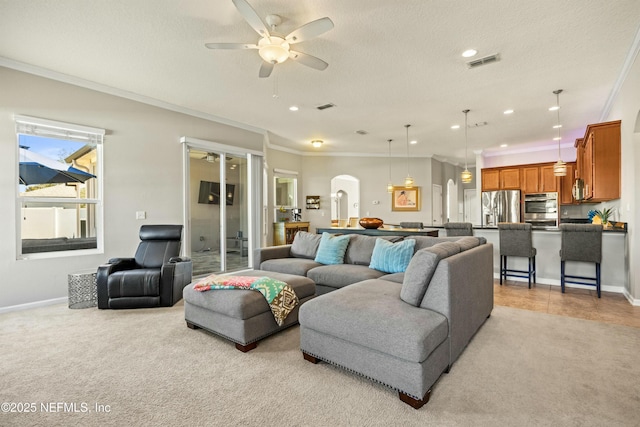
point(615, 259)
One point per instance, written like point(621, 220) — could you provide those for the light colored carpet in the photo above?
point(522, 368)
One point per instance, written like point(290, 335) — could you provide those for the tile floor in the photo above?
point(580, 303)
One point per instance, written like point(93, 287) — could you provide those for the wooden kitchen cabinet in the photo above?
point(566, 185)
point(490, 179)
point(284, 232)
point(599, 161)
point(530, 179)
point(548, 181)
point(538, 179)
point(510, 179)
point(501, 179)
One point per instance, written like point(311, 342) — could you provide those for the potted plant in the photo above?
point(603, 216)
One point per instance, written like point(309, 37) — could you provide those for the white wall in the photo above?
point(372, 172)
point(626, 108)
point(143, 172)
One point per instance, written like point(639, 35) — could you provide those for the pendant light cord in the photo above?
point(558, 122)
point(389, 159)
point(407, 126)
point(466, 140)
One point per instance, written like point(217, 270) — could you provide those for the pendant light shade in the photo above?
point(389, 184)
point(560, 167)
point(466, 176)
point(408, 181)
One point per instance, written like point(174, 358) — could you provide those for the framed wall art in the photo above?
point(405, 199)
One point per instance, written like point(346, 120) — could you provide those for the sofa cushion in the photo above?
point(371, 314)
point(361, 247)
point(392, 257)
point(332, 249)
point(337, 276)
point(305, 245)
point(467, 243)
point(297, 266)
point(421, 269)
point(395, 277)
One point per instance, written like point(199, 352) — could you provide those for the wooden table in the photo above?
point(433, 232)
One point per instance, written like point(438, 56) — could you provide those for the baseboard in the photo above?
point(36, 304)
point(631, 299)
point(554, 282)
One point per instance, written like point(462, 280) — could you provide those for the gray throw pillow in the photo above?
point(421, 269)
point(305, 245)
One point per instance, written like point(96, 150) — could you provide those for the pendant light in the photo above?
point(560, 167)
point(408, 181)
point(466, 176)
point(389, 184)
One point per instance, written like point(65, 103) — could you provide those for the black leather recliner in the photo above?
point(155, 277)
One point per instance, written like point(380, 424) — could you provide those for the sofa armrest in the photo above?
point(261, 255)
point(462, 290)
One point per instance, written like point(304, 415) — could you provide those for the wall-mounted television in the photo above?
point(210, 193)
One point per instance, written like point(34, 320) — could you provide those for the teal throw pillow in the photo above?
point(392, 257)
point(332, 249)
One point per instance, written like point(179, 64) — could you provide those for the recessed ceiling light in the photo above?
point(316, 143)
point(469, 53)
point(557, 138)
point(504, 145)
point(413, 142)
point(557, 126)
point(554, 108)
point(508, 111)
point(454, 127)
point(293, 108)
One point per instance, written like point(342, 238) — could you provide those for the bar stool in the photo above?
point(515, 240)
point(459, 228)
point(580, 242)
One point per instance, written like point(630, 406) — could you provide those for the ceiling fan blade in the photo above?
point(231, 45)
point(251, 17)
point(265, 69)
point(308, 60)
point(310, 30)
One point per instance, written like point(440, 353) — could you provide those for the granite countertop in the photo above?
point(619, 229)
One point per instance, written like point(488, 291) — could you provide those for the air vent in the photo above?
point(483, 61)
point(362, 132)
point(325, 106)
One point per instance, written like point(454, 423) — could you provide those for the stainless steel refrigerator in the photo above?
point(500, 206)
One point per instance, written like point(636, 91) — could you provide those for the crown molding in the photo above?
point(98, 87)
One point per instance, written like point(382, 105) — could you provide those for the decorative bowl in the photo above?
point(371, 223)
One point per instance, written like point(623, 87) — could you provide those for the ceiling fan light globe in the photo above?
point(274, 50)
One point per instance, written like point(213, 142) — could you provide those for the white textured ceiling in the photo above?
point(390, 63)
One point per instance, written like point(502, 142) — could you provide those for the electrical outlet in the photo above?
point(202, 238)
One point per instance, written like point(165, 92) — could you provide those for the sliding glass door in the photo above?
point(221, 221)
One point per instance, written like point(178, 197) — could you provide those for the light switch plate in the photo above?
point(141, 215)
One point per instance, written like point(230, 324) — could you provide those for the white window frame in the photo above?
point(34, 126)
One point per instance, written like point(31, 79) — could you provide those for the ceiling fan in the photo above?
point(274, 48)
point(213, 158)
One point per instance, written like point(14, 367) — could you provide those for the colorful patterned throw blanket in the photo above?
point(280, 297)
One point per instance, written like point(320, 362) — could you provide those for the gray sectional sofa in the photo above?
point(403, 329)
point(298, 259)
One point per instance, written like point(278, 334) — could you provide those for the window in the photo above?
point(59, 191)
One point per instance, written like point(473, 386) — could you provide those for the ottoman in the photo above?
point(239, 315)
